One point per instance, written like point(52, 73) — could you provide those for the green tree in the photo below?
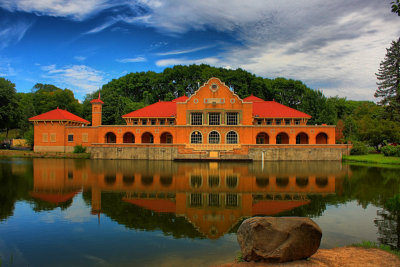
point(396, 7)
point(389, 80)
point(9, 112)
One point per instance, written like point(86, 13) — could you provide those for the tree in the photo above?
point(396, 7)
point(389, 80)
point(9, 114)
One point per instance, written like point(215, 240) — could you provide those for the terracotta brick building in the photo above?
point(212, 123)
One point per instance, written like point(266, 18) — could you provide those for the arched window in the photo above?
point(302, 138)
point(213, 137)
point(128, 179)
point(147, 138)
point(110, 179)
point(128, 138)
point(302, 181)
point(282, 138)
point(166, 138)
point(196, 138)
point(110, 138)
point(321, 138)
point(262, 138)
point(232, 138)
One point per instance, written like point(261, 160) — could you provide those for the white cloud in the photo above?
point(76, 9)
point(131, 60)
point(81, 78)
point(184, 51)
point(12, 32)
point(184, 61)
point(80, 58)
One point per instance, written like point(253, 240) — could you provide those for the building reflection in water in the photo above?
point(213, 197)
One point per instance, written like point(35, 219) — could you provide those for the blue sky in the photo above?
point(333, 46)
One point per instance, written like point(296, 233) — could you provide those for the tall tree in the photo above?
point(389, 80)
point(9, 112)
point(396, 7)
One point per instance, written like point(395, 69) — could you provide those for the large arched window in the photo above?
point(110, 138)
point(213, 138)
point(232, 138)
point(282, 138)
point(147, 138)
point(302, 138)
point(321, 138)
point(128, 138)
point(166, 138)
point(196, 138)
point(262, 138)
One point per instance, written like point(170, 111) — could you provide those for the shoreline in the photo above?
point(32, 154)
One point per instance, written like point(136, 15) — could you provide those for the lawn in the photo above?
point(372, 158)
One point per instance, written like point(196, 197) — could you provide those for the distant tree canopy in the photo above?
point(9, 113)
point(396, 7)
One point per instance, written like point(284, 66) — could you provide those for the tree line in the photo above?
point(356, 120)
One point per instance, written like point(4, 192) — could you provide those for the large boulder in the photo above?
point(274, 239)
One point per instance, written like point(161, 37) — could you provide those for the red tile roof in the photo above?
point(181, 99)
point(97, 101)
point(53, 198)
point(157, 205)
point(272, 109)
point(157, 110)
point(252, 98)
point(58, 115)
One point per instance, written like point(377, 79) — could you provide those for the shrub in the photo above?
point(79, 149)
point(391, 151)
point(359, 148)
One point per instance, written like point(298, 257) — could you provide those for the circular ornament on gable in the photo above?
point(232, 101)
point(195, 101)
point(214, 87)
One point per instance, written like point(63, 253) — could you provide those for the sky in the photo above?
point(333, 46)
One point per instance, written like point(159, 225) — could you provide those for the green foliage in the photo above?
point(396, 7)
point(9, 112)
point(79, 149)
point(371, 244)
point(373, 159)
point(29, 136)
point(359, 148)
point(393, 204)
point(391, 151)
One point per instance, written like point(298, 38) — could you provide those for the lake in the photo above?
point(64, 212)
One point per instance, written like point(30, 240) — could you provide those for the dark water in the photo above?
point(56, 212)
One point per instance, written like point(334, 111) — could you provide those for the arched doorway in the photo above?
point(302, 138)
point(110, 138)
point(196, 138)
point(147, 138)
point(282, 138)
point(166, 138)
point(128, 138)
point(231, 138)
point(262, 138)
point(321, 138)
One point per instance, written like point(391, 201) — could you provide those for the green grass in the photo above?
point(372, 158)
point(370, 244)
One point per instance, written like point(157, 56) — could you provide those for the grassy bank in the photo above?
point(31, 154)
point(372, 158)
point(369, 244)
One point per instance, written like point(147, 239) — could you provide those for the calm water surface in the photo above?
point(56, 212)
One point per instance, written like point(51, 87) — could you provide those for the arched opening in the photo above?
point(282, 181)
point(213, 181)
point(302, 138)
point(110, 138)
point(321, 138)
point(231, 181)
point(147, 138)
point(214, 138)
point(147, 180)
point(282, 138)
point(128, 179)
point(128, 138)
point(262, 181)
point(301, 181)
point(110, 179)
point(196, 138)
point(232, 137)
point(262, 138)
point(321, 181)
point(166, 180)
point(196, 181)
point(166, 138)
